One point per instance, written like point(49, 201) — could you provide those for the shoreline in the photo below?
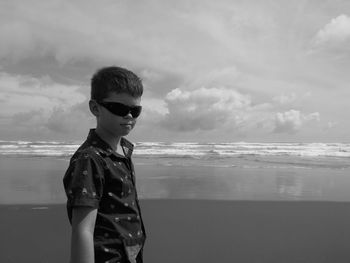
point(180, 230)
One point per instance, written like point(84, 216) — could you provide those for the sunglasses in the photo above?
point(121, 109)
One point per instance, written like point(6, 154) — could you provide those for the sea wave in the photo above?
point(239, 154)
point(188, 149)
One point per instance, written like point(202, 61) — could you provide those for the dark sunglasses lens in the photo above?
point(122, 110)
point(136, 111)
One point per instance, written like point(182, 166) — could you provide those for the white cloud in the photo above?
point(337, 30)
point(331, 125)
point(26, 93)
point(291, 99)
point(206, 65)
point(39, 107)
point(203, 108)
point(285, 99)
point(71, 121)
point(61, 124)
point(153, 105)
point(334, 38)
point(101, 31)
point(293, 120)
point(225, 77)
point(162, 34)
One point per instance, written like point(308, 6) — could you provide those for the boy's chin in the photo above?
point(124, 132)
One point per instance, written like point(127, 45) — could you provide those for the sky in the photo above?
point(213, 71)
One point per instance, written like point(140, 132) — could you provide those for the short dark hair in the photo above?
point(115, 79)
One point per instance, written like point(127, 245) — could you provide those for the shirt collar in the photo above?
point(97, 141)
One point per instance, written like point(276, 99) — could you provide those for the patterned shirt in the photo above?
point(100, 178)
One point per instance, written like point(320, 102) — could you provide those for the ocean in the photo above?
point(31, 172)
point(209, 154)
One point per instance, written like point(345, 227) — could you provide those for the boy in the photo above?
point(102, 204)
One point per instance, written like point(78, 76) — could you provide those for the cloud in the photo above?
point(25, 93)
point(331, 124)
point(290, 99)
point(337, 30)
point(334, 36)
point(210, 67)
point(165, 35)
point(72, 121)
point(102, 31)
point(40, 107)
point(202, 108)
point(60, 124)
point(293, 120)
point(285, 99)
point(217, 77)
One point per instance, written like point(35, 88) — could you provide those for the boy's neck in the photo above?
point(114, 142)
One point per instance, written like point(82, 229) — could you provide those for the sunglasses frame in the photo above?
point(119, 109)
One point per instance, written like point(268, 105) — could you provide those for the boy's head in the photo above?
point(115, 100)
point(115, 80)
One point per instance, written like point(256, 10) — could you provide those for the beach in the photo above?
point(197, 231)
point(206, 208)
point(227, 120)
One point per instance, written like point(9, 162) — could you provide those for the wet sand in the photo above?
point(39, 180)
point(196, 231)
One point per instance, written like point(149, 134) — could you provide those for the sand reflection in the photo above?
point(39, 180)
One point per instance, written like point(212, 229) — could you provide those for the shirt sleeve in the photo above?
point(84, 182)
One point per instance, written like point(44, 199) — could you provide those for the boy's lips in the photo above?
point(127, 124)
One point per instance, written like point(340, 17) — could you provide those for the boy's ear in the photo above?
point(94, 108)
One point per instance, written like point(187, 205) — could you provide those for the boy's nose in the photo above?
point(128, 116)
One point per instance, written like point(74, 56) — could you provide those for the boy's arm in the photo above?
point(82, 240)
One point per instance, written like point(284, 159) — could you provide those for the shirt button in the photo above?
point(126, 204)
point(106, 249)
point(129, 218)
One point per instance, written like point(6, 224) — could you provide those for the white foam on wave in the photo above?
point(41, 148)
point(236, 149)
point(188, 149)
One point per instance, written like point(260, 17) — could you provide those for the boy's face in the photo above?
point(113, 124)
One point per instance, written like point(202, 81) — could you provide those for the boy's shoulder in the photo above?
point(90, 148)
point(86, 151)
point(94, 147)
